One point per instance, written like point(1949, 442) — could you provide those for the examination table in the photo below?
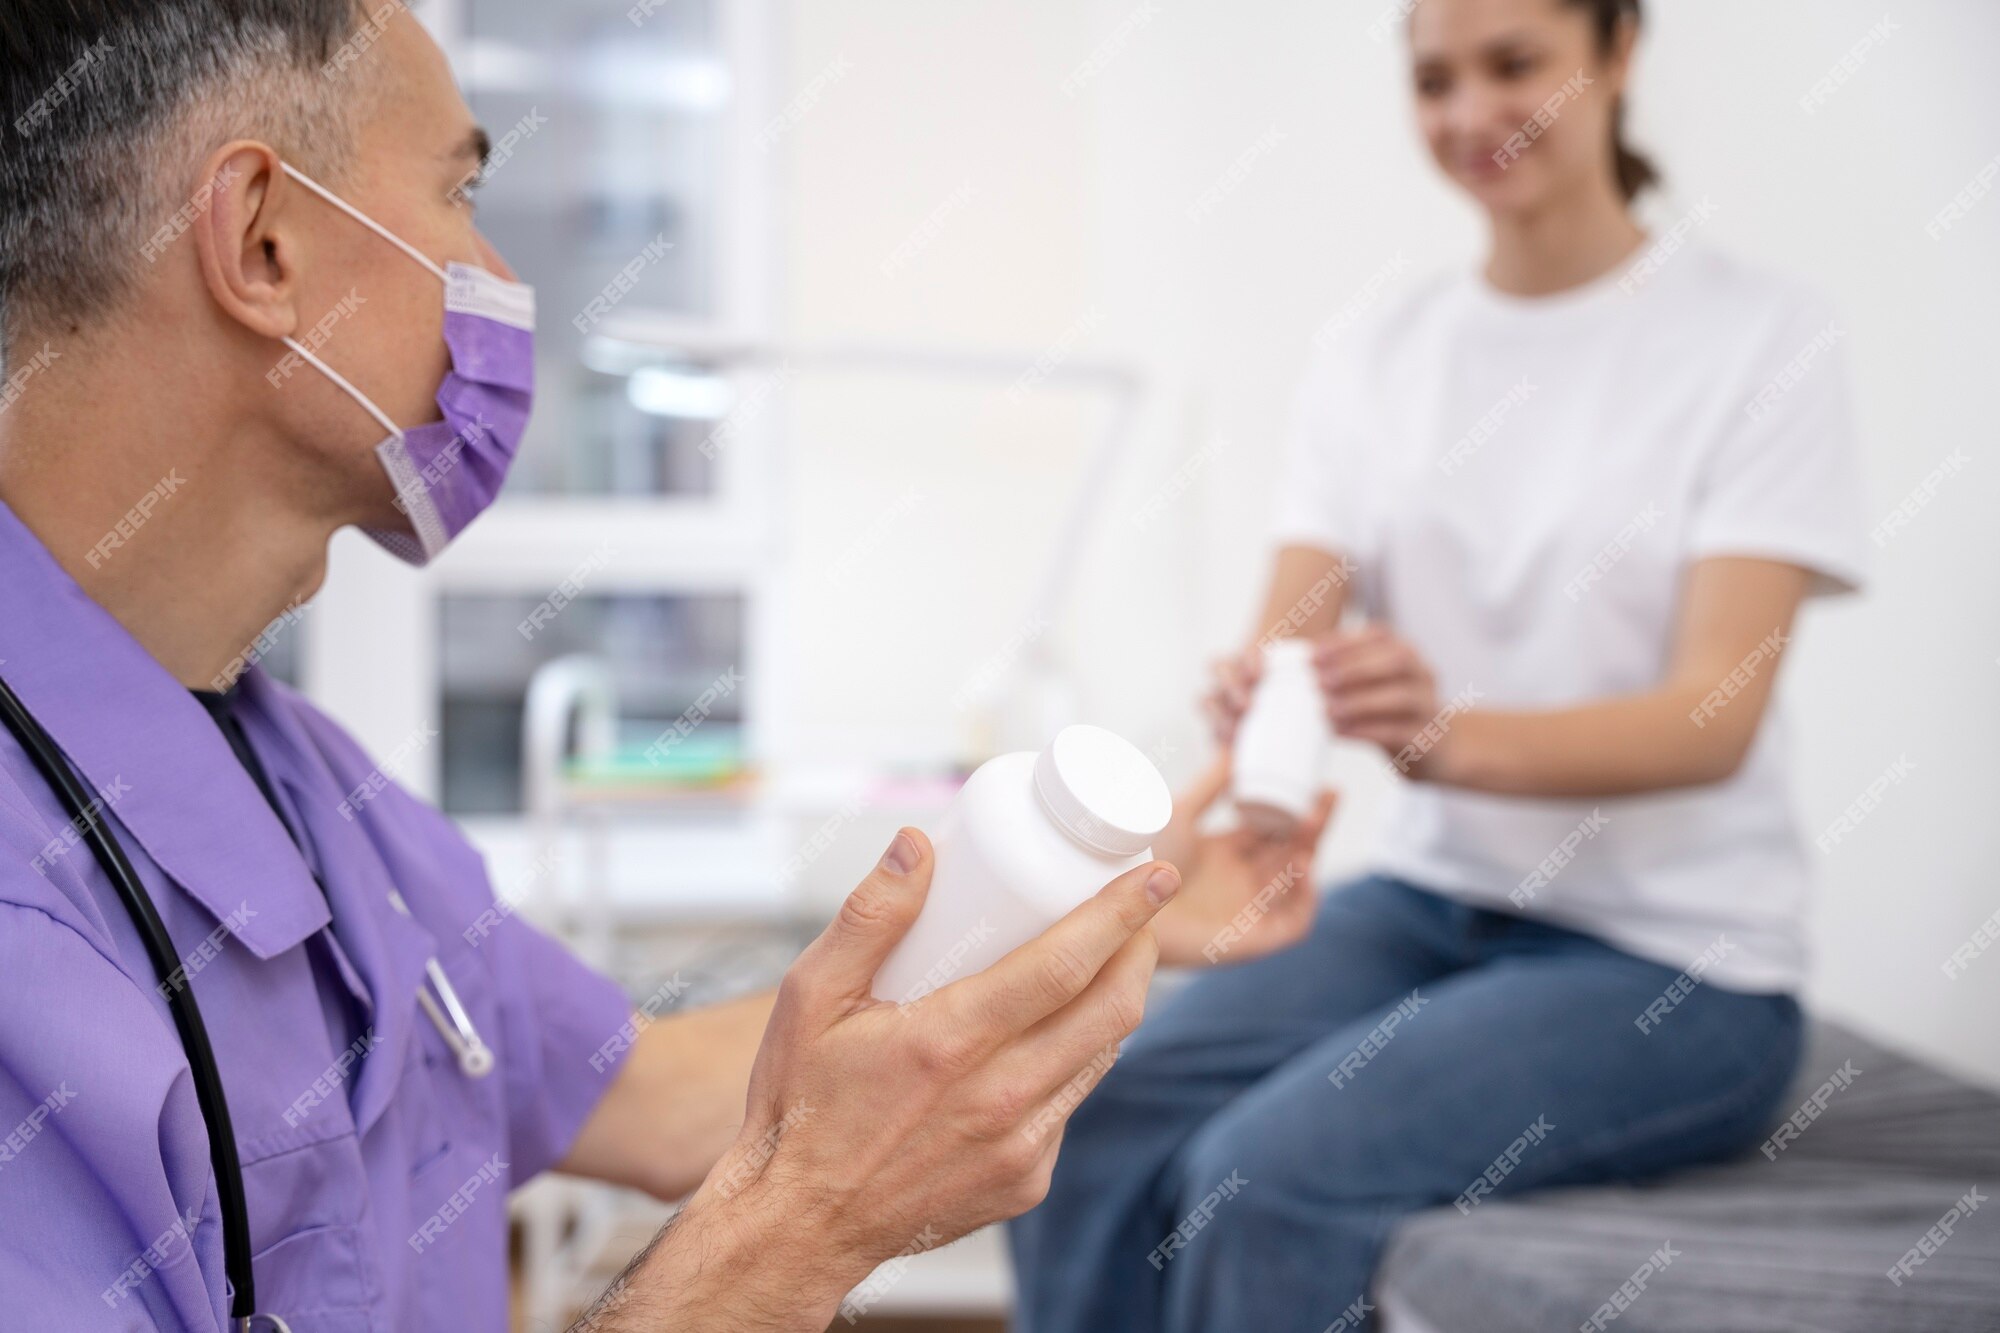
point(1804, 1240)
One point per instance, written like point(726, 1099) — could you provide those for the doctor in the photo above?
point(269, 1056)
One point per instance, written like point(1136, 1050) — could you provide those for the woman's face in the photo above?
point(1514, 97)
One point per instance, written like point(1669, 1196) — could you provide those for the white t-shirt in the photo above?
point(1523, 483)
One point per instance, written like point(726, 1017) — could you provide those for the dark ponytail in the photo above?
point(1636, 171)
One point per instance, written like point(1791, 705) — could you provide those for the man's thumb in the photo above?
point(880, 911)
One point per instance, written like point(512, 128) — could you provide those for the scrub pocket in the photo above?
point(317, 1276)
point(458, 1148)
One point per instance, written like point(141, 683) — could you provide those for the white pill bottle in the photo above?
point(1029, 837)
point(1281, 741)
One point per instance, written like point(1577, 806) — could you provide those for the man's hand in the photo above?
point(875, 1129)
point(1246, 895)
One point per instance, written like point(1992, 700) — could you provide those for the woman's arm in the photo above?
point(1694, 727)
point(1308, 589)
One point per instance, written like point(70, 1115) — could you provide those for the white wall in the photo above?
point(1068, 204)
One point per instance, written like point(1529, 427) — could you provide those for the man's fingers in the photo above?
point(1062, 1057)
point(880, 911)
point(1049, 971)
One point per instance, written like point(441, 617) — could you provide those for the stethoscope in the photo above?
point(475, 1058)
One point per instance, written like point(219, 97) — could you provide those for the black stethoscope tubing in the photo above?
point(85, 818)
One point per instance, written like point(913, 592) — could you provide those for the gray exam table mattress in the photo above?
point(1899, 1162)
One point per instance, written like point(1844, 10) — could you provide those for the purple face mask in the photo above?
point(447, 472)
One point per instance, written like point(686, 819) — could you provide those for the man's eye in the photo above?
point(1516, 67)
point(1432, 85)
point(464, 191)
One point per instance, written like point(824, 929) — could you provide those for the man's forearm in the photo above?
point(734, 1265)
point(677, 1102)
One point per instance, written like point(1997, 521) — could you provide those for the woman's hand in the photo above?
point(1232, 680)
point(1242, 895)
point(1379, 689)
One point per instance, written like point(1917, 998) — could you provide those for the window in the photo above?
point(665, 651)
point(625, 185)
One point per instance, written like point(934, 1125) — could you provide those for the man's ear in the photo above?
point(248, 256)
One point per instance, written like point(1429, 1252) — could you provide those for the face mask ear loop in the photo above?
point(367, 404)
point(366, 221)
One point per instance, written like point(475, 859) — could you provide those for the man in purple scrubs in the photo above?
point(188, 189)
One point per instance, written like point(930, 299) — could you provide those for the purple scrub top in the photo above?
point(376, 1172)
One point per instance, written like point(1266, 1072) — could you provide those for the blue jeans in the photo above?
point(1241, 1167)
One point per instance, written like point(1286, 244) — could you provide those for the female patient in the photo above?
point(1580, 494)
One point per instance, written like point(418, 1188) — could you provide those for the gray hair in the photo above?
point(110, 107)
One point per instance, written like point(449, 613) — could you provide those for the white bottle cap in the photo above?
point(1102, 792)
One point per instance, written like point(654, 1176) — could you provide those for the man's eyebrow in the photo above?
point(476, 146)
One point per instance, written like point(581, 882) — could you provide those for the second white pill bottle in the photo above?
point(1282, 741)
point(1029, 837)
